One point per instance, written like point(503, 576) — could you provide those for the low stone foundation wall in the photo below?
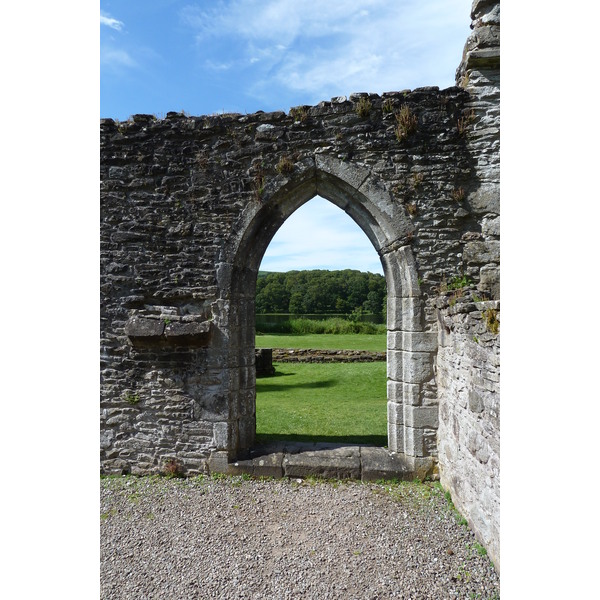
point(304, 355)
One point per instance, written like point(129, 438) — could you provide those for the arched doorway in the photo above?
point(410, 349)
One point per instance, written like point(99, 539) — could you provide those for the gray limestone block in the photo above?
point(395, 437)
point(404, 314)
point(339, 463)
point(486, 199)
point(414, 442)
point(417, 367)
point(354, 175)
point(180, 332)
point(395, 413)
point(218, 462)
point(221, 435)
point(141, 328)
point(478, 252)
point(490, 226)
point(414, 341)
point(421, 416)
point(379, 463)
point(489, 280)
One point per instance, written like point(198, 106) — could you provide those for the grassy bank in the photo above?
point(343, 402)
point(353, 341)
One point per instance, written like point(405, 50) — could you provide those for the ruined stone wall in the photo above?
point(468, 359)
point(188, 207)
point(174, 195)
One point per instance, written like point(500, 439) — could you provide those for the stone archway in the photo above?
point(411, 350)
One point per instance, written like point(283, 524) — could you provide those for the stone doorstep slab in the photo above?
point(339, 463)
point(323, 460)
point(378, 463)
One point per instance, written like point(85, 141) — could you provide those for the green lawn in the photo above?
point(341, 402)
point(324, 341)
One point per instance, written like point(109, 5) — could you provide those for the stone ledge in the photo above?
point(143, 331)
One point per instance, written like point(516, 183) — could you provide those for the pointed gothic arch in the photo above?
point(410, 349)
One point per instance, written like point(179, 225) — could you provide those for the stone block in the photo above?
point(417, 367)
point(486, 199)
point(394, 391)
point(394, 365)
point(354, 175)
point(404, 314)
point(395, 437)
point(402, 270)
point(490, 226)
point(421, 416)
point(221, 435)
point(144, 329)
point(480, 253)
point(413, 442)
point(412, 341)
point(338, 463)
point(247, 431)
point(395, 413)
point(489, 280)
point(269, 465)
point(476, 404)
point(218, 462)
point(379, 463)
point(193, 333)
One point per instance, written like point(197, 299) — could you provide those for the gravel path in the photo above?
point(234, 537)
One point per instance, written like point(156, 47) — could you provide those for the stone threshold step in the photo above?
point(329, 460)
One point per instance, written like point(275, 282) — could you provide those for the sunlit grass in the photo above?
point(323, 401)
point(352, 341)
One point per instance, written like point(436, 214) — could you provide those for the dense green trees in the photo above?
point(320, 291)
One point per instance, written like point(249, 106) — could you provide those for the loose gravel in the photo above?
point(235, 537)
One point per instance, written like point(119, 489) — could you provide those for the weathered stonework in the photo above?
point(188, 208)
point(468, 379)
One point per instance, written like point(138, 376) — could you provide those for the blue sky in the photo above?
point(242, 56)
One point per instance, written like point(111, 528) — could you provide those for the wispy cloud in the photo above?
point(114, 57)
point(110, 22)
point(323, 49)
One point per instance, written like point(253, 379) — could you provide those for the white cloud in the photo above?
point(110, 22)
point(116, 58)
point(326, 49)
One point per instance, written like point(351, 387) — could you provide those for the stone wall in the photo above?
point(189, 205)
point(468, 361)
point(468, 378)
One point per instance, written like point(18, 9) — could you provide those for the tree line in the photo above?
point(320, 291)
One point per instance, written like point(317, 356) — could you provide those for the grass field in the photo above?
point(323, 341)
point(338, 402)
